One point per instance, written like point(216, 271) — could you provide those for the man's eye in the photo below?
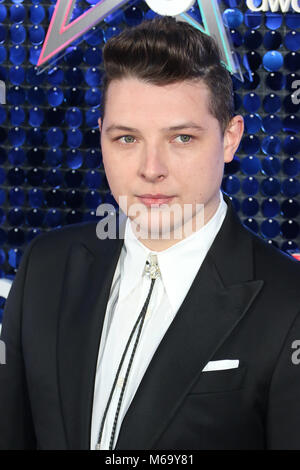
point(185, 139)
point(127, 139)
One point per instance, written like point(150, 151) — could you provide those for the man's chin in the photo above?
point(156, 231)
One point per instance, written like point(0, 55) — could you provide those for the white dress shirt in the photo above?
point(127, 296)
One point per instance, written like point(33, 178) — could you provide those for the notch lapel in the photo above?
point(90, 270)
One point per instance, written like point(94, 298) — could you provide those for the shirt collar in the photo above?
point(188, 254)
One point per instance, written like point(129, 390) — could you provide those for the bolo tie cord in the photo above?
point(140, 320)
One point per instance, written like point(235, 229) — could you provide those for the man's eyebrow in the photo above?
point(185, 125)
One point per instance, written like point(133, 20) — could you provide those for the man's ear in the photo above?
point(232, 137)
point(100, 124)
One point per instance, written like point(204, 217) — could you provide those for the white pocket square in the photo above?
point(221, 365)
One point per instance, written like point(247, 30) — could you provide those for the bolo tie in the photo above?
point(151, 271)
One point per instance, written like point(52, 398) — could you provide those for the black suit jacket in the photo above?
point(243, 304)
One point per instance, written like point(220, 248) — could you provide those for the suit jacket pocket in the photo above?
point(219, 381)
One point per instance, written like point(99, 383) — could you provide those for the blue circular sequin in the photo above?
point(271, 124)
point(270, 187)
point(233, 17)
point(74, 117)
point(270, 207)
point(276, 81)
point(93, 56)
point(292, 41)
point(55, 137)
point(55, 76)
point(17, 54)
point(271, 145)
point(16, 75)
point(93, 199)
point(292, 61)
point(251, 102)
point(292, 20)
point(93, 159)
point(74, 56)
point(17, 13)
point(110, 32)
point(54, 157)
point(251, 144)
point(290, 208)
point(34, 76)
point(290, 187)
point(36, 34)
point(54, 198)
point(252, 123)
point(36, 116)
point(273, 61)
point(291, 124)
point(270, 228)
point(93, 97)
point(16, 197)
point(290, 229)
point(94, 37)
point(55, 96)
point(3, 13)
point(93, 179)
point(16, 136)
point(17, 116)
point(291, 145)
point(291, 166)
point(91, 117)
point(253, 39)
point(272, 40)
point(271, 103)
point(17, 34)
point(3, 54)
point(16, 156)
point(74, 138)
point(250, 186)
point(250, 207)
point(253, 19)
point(273, 20)
point(36, 14)
point(74, 159)
point(133, 15)
point(36, 197)
point(251, 165)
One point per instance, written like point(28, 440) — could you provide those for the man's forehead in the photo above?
point(127, 84)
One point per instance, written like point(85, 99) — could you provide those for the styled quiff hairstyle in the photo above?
point(163, 51)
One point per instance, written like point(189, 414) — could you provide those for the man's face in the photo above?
point(164, 140)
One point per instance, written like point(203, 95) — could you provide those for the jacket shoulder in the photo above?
point(274, 264)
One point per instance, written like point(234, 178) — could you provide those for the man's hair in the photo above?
point(163, 51)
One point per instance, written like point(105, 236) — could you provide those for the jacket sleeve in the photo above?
point(283, 418)
point(16, 424)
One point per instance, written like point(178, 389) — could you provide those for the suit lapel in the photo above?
point(89, 274)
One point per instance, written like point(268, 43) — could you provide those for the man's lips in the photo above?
point(158, 199)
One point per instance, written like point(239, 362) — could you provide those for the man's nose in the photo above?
point(153, 164)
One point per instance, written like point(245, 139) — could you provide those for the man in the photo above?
point(213, 362)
